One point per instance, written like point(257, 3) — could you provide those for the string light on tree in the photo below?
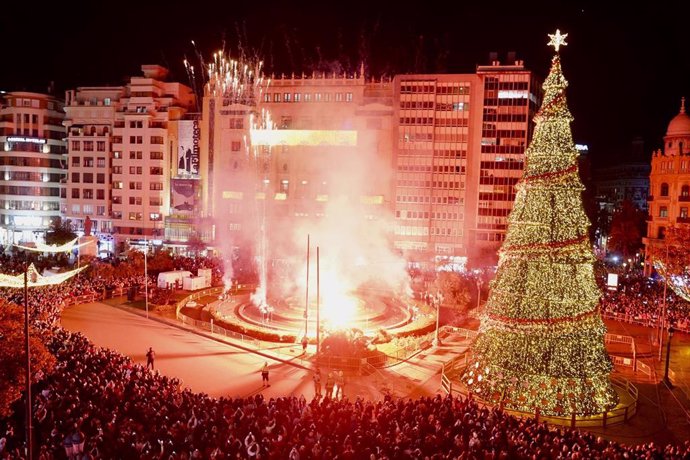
point(541, 344)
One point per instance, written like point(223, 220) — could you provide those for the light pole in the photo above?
point(437, 301)
point(479, 292)
point(662, 320)
point(667, 381)
point(146, 276)
point(27, 350)
point(306, 295)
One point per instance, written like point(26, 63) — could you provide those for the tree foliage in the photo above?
point(13, 356)
point(627, 229)
point(60, 232)
point(454, 288)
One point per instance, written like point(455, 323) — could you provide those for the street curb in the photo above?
point(200, 333)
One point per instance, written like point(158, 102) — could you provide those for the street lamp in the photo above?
point(667, 381)
point(31, 278)
point(437, 300)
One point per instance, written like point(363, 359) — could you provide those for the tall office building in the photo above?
point(459, 151)
point(32, 165)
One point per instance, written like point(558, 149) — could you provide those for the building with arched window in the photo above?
point(669, 185)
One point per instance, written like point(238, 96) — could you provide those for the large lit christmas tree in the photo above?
point(541, 344)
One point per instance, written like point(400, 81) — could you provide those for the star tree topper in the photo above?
point(557, 40)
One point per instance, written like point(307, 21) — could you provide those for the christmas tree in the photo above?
point(541, 343)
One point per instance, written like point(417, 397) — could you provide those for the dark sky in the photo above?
point(627, 66)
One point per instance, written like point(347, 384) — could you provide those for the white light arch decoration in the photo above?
point(35, 279)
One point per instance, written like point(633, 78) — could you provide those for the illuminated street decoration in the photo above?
point(54, 248)
point(304, 137)
point(35, 279)
point(542, 340)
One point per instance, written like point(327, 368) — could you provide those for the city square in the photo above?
point(274, 250)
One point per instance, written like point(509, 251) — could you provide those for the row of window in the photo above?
point(20, 205)
point(139, 170)
point(429, 168)
point(427, 215)
point(405, 230)
point(439, 106)
point(664, 188)
point(87, 194)
point(408, 88)
point(119, 185)
point(88, 162)
point(683, 214)
point(87, 178)
point(138, 155)
point(87, 146)
point(429, 121)
point(308, 97)
point(434, 184)
point(428, 199)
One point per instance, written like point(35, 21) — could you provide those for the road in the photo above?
point(203, 365)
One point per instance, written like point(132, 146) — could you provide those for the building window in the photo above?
point(100, 146)
point(298, 97)
point(661, 233)
point(88, 209)
point(76, 161)
point(75, 178)
point(348, 97)
point(117, 155)
point(307, 97)
point(267, 97)
point(100, 210)
point(685, 190)
point(100, 194)
point(76, 209)
point(155, 201)
point(236, 146)
point(156, 171)
point(156, 155)
point(135, 200)
point(683, 213)
point(88, 194)
point(75, 193)
point(276, 97)
point(287, 97)
point(338, 97)
point(135, 216)
point(117, 185)
point(663, 211)
point(156, 186)
point(664, 189)
point(88, 178)
point(76, 145)
point(100, 178)
point(100, 162)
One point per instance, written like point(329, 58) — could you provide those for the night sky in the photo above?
point(627, 67)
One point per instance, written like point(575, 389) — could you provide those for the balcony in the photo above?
point(683, 220)
point(684, 198)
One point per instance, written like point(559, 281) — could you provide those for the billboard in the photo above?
point(184, 197)
point(188, 148)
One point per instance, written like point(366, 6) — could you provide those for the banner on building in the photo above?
point(188, 148)
point(184, 196)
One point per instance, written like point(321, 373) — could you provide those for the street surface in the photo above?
point(203, 365)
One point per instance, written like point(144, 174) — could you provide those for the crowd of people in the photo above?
point(99, 404)
point(640, 299)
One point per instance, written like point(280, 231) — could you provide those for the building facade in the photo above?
point(627, 180)
point(459, 151)
point(123, 148)
point(669, 185)
point(326, 148)
point(33, 164)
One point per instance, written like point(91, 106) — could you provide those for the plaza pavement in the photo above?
point(220, 366)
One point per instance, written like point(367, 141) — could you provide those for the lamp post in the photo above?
point(146, 276)
point(667, 381)
point(437, 301)
point(479, 292)
point(27, 377)
point(662, 320)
